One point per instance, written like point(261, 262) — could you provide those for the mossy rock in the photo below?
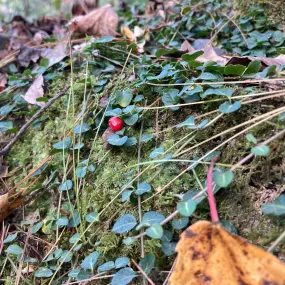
point(275, 10)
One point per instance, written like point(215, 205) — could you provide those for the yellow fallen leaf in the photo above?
point(208, 254)
point(125, 30)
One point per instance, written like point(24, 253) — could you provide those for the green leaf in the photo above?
point(106, 266)
point(162, 51)
point(146, 137)
point(14, 249)
point(155, 231)
point(10, 238)
point(77, 247)
point(123, 276)
point(191, 58)
point(281, 116)
point(150, 218)
point(143, 188)
point(62, 221)
point(223, 179)
point(253, 67)
point(227, 107)
point(267, 71)
point(36, 227)
point(78, 146)
point(121, 262)
point(131, 120)
point(170, 97)
point(92, 217)
point(64, 144)
point(208, 76)
point(81, 172)
point(186, 208)
point(90, 261)
point(44, 62)
point(124, 98)
point(73, 273)
point(218, 91)
point(5, 126)
point(180, 223)
point(124, 224)
point(229, 226)
point(75, 238)
point(126, 194)
point(157, 152)
point(117, 140)
point(104, 39)
point(83, 275)
point(189, 122)
point(260, 150)
point(81, 128)
point(251, 138)
point(67, 185)
point(276, 208)
point(65, 256)
point(237, 69)
point(131, 141)
point(147, 263)
point(168, 248)
point(129, 241)
point(43, 272)
point(75, 220)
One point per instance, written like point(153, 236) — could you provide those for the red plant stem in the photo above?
point(211, 198)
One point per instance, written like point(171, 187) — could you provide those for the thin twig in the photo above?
point(143, 273)
point(33, 118)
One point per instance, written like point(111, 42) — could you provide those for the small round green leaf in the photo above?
point(43, 272)
point(260, 150)
point(155, 231)
point(92, 217)
point(186, 208)
point(223, 179)
point(67, 185)
point(124, 224)
point(123, 276)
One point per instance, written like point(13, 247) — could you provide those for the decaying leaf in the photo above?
point(208, 254)
point(208, 49)
point(35, 91)
point(139, 36)
point(100, 22)
point(3, 81)
point(8, 203)
point(57, 54)
point(108, 132)
point(28, 54)
point(266, 61)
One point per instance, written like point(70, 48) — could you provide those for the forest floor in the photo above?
point(106, 130)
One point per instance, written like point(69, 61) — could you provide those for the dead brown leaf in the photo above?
point(57, 54)
point(3, 81)
point(35, 91)
point(266, 61)
point(108, 132)
point(100, 22)
point(207, 48)
point(8, 203)
point(208, 254)
point(28, 54)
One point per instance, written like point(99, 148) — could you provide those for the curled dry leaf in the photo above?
point(100, 22)
point(108, 132)
point(208, 254)
point(35, 91)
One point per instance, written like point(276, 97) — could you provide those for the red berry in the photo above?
point(115, 123)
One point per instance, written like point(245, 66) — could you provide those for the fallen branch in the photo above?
point(33, 118)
